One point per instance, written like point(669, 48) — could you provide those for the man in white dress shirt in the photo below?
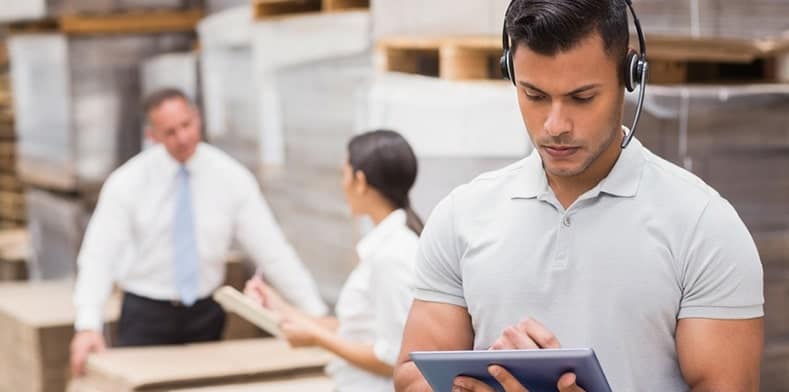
point(170, 214)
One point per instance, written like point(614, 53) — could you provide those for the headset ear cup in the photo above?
point(632, 71)
point(503, 62)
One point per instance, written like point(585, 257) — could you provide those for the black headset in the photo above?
point(636, 67)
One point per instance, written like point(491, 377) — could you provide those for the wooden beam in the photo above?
point(264, 9)
point(131, 22)
point(344, 5)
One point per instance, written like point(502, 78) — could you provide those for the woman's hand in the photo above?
point(301, 331)
point(266, 296)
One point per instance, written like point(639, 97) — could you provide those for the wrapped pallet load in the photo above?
point(714, 18)
point(736, 139)
point(77, 103)
point(417, 17)
point(459, 129)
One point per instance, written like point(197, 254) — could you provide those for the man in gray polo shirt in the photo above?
point(586, 244)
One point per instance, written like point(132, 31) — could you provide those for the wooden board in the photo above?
point(131, 22)
point(137, 22)
point(450, 58)
point(266, 9)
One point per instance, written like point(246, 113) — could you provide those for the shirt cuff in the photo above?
point(316, 309)
point(88, 320)
point(722, 312)
point(436, 296)
point(386, 353)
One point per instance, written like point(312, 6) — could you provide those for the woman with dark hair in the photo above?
point(374, 302)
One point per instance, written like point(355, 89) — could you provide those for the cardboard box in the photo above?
point(37, 324)
point(301, 384)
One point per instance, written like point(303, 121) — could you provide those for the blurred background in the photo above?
point(283, 85)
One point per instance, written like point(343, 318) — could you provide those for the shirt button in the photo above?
point(566, 221)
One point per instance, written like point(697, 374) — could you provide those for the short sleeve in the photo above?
point(722, 270)
point(438, 274)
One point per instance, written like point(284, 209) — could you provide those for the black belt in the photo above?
point(175, 303)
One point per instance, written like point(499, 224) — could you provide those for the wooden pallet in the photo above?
point(131, 22)
point(450, 58)
point(683, 60)
point(7, 157)
point(12, 206)
point(266, 9)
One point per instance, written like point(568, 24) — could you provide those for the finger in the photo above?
point(506, 379)
point(468, 384)
point(567, 383)
point(77, 363)
point(520, 340)
point(539, 333)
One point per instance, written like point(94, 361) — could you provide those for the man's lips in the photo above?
point(560, 151)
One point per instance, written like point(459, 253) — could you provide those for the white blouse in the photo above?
point(375, 300)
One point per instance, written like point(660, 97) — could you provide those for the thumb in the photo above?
point(567, 383)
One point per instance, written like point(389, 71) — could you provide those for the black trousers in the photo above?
point(149, 322)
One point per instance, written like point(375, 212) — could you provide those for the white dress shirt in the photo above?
point(129, 238)
point(374, 302)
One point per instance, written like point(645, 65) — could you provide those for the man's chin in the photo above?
point(564, 170)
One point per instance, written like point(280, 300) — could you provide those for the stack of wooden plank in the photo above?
point(37, 323)
point(306, 192)
point(12, 206)
point(198, 365)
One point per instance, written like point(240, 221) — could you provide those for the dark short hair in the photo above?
point(548, 27)
point(390, 166)
point(158, 97)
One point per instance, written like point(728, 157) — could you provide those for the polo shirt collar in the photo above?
point(622, 181)
point(625, 176)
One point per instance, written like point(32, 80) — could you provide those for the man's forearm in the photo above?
point(409, 379)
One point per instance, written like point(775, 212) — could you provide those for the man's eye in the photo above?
point(581, 99)
point(535, 97)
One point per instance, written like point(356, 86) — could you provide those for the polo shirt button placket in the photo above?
point(566, 221)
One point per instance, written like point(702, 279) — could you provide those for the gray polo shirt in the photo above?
point(649, 245)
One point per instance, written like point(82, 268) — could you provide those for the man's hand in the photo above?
point(527, 334)
point(509, 382)
point(83, 344)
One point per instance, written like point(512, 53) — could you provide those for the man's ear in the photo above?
point(360, 182)
point(149, 134)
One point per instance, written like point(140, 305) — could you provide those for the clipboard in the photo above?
point(236, 302)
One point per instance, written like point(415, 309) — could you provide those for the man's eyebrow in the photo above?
point(574, 92)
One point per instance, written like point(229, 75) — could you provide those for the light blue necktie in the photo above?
point(187, 278)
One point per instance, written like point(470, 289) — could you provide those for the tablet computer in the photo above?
point(236, 302)
point(537, 370)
